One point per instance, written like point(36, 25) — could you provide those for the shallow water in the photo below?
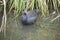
point(40, 30)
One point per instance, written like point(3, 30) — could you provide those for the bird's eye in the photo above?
point(24, 13)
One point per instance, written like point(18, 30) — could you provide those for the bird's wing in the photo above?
point(31, 19)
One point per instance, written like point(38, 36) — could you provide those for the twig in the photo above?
point(55, 18)
point(1, 29)
point(5, 17)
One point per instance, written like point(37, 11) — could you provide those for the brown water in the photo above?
point(41, 30)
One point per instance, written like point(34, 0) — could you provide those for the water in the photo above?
point(40, 30)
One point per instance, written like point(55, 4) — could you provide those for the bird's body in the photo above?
point(29, 17)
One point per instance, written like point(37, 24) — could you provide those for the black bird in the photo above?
point(29, 17)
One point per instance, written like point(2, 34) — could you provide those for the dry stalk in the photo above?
point(4, 19)
point(55, 18)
